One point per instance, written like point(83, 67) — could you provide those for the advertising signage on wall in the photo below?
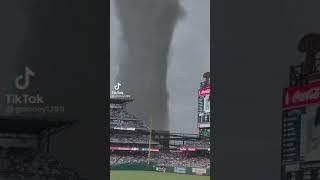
point(125, 129)
point(161, 169)
point(204, 91)
point(180, 170)
point(116, 148)
point(203, 125)
point(187, 149)
point(199, 171)
point(300, 96)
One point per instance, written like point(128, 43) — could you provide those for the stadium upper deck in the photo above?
point(120, 118)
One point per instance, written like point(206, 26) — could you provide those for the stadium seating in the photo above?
point(21, 163)
point(161, 159)
point(121, 119)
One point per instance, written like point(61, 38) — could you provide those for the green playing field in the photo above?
point(151, 175)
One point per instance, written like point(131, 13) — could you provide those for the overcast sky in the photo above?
point(189, 58)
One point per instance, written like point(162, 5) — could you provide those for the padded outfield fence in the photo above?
point(167, 169)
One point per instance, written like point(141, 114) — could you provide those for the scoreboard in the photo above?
point(300, 147)
point(204, 107)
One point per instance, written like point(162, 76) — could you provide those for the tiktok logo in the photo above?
point(23, 81)
point(116, 91)
point(117, 87)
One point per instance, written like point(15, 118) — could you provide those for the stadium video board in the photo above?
point(301, 123)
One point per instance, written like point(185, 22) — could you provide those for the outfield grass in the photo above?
point(151, 175)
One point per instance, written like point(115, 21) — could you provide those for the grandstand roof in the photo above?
point(119, 100)
point(28, 125)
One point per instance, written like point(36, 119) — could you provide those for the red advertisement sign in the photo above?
point(204, 91)
point(121, 148)
point(299, 96)
point(154, 150)
point(132, 149)
point(187, 149)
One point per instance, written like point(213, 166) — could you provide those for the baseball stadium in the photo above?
point(138, 151)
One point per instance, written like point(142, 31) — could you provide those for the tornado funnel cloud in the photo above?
point(147, 27)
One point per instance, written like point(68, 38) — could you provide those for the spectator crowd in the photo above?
point(161, 159)
point(118, 113)
point(124, 124)
point(28, 163)
point(133, 139)
point(121, 119)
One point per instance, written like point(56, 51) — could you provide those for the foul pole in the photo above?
point(149, 149)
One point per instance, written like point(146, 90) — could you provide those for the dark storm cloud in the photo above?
point(254, 44)
point(189, 57)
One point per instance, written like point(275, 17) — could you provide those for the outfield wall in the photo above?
point(130, 166)
point(168, 169)
point(183, 170)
